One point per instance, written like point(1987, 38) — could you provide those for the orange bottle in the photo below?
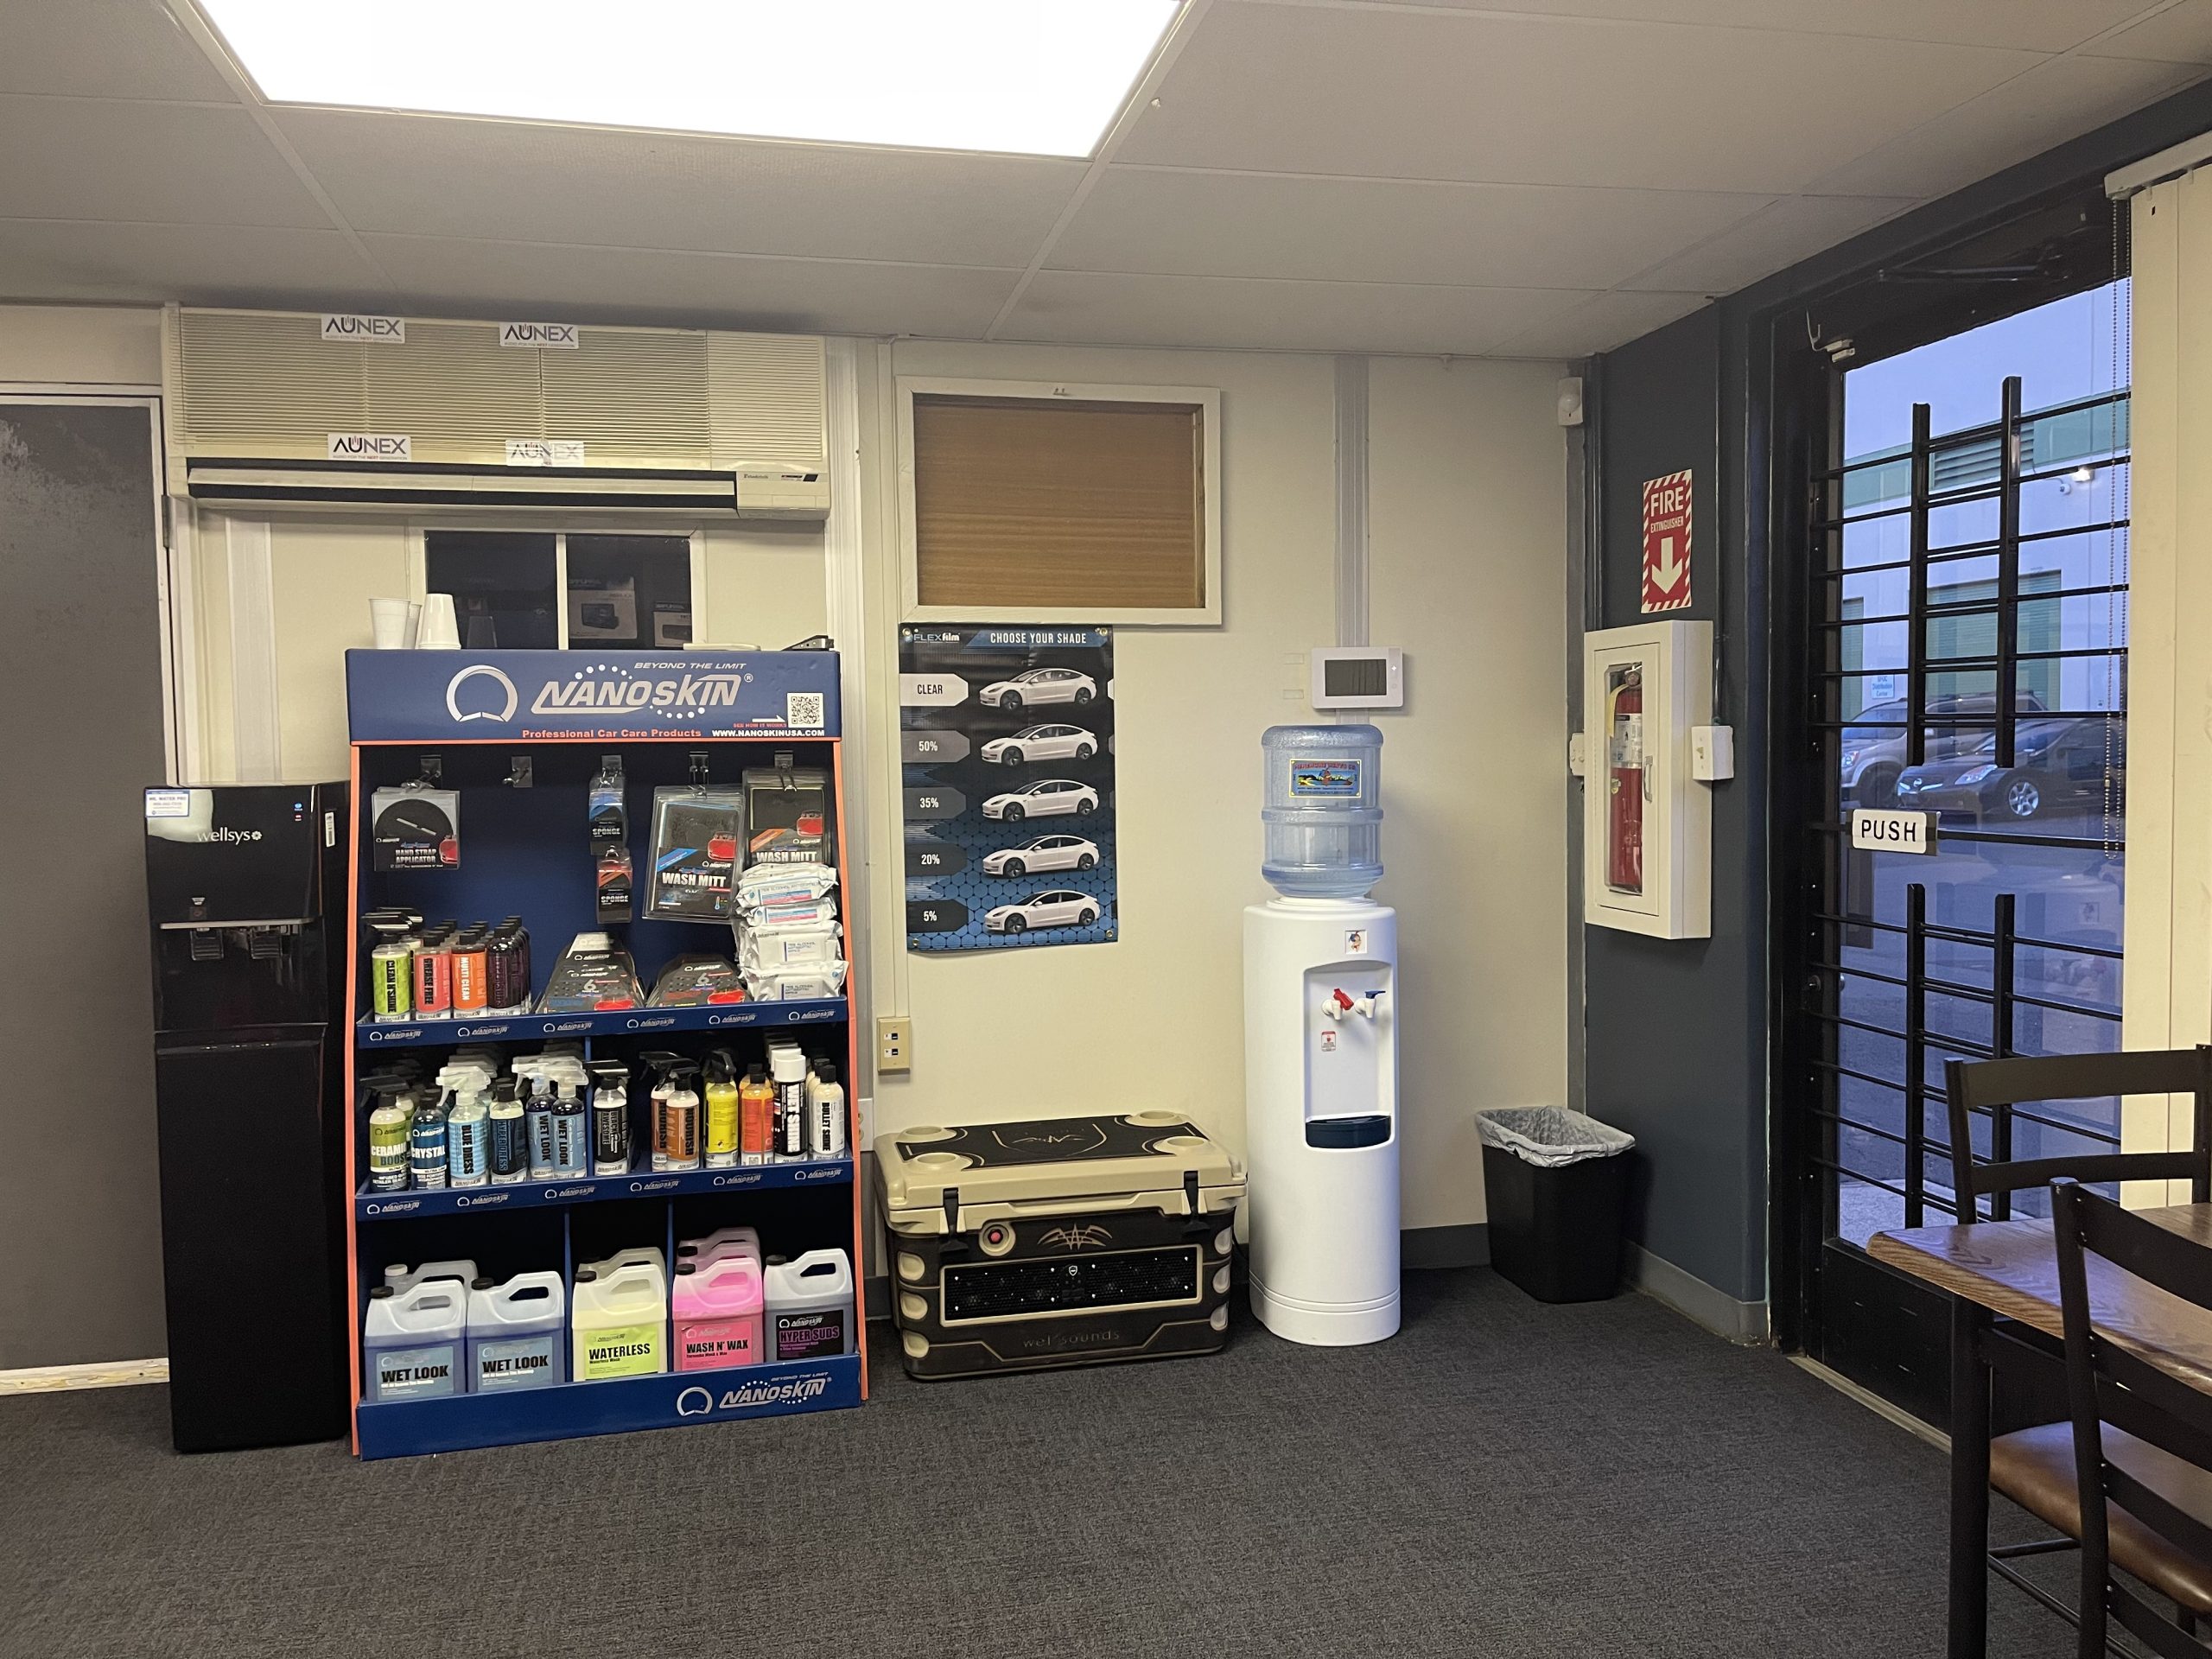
point(756, 1114)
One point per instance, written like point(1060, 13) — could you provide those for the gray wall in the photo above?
point(1676, 1029)
point(80, 680)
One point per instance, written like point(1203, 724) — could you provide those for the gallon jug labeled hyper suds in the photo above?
point(808, 1306)
point(411, 1342)
point(716, 1311)
point(515, 1333)
point(618, 1323)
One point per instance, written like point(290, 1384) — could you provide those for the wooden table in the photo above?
point(2010, 1270)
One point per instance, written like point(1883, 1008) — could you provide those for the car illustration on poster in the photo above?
point(1041, 743)
point(1056, 907)
point(1046, 799)
point(1045, 853)
point(1039, 685)
point(1007, 759)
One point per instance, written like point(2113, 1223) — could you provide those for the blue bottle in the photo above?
point(426, 1146)
point(540, 1115)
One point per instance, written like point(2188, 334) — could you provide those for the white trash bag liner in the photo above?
point(1550, 1136)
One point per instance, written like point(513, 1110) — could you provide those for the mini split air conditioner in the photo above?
point(288, 409)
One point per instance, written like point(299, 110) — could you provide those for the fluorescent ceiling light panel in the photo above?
point(1031, 77)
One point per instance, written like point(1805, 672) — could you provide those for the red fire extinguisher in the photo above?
point(1625, 781)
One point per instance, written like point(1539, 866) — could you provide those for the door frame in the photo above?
point(172, 564)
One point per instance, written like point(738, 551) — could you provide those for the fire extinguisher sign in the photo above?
point(1667, 543)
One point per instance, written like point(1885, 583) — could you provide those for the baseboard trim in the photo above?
point(1694, 1300)
point(1422, 1249)
point(1874, 1402)
point(104, 1374)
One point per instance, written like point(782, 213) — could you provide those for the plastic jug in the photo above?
point(399, 1278)
point(412, 1340)
point(724, 1241)
point(515, 1333)
point(618, 1323)
point(636, 1256)
point(716, 1310)
point(807, 1306)
point(1324, 811)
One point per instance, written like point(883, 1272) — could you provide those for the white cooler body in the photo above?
point(1321, 1118)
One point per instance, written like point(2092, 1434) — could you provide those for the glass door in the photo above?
point(1967, 622)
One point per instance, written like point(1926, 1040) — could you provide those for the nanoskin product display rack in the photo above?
point(519, 734)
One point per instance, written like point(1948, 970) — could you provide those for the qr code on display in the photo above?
point(802, 708)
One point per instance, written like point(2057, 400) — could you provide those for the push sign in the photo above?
point(1892, 832)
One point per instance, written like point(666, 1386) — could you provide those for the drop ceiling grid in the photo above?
point(1417, 175)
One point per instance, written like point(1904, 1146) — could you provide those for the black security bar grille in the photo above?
point(2007, 942)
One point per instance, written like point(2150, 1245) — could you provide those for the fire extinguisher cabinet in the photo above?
point(1647, 823)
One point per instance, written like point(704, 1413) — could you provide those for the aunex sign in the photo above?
point(412, 695)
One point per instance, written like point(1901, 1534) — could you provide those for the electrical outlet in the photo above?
point(894, 1042)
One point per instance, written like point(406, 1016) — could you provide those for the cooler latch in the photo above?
point(1190, 1202)
point(952, 1211)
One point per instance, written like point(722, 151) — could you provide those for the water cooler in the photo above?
point(1321, 1047)
point(243, 886)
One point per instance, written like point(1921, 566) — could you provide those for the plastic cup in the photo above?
point(440, 629)
point(388, 623)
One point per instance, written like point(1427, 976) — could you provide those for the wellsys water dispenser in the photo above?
point(1321, 1047)
point(243, 886)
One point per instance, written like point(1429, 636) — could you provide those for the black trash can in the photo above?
point(1555, 1183)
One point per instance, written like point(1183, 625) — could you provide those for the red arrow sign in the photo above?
point(1666, 542)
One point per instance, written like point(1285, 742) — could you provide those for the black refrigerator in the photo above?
point(245, 887)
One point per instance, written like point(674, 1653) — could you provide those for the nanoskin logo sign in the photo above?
point(792, 1391)
point(593, 692)
point(484, 671)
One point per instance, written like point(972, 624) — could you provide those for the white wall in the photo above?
point(86, 346)
point(1467, 512)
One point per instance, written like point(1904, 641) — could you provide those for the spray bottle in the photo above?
point(468, 1130)
point(610, 1118)
point(571, 1132)
point(663, 1090)
point(789, 1068)
point(722, 1110)
point(756, 1111)
point(509, 1136)
point(683, 1115)
point(537, 1112)
point(426, 1144)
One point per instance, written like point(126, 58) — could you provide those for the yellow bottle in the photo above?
point(722, 1114)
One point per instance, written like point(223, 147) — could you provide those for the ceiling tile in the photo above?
point(1379, 230)
point(194, 264)
point(1290, 316)
point(1793, 228)
point(102, 48)
point(2062, 99)
point(2182, 34)
point(531, 182)
point(1442, 94)
point(1601, 322)
point(2035, 25)
point(101, 158)
point(568, 283)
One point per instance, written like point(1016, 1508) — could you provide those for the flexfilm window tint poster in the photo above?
point(1007, 736)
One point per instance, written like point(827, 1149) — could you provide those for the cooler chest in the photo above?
point(1060, 1241)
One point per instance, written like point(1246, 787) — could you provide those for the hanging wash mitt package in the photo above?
point(696, 834)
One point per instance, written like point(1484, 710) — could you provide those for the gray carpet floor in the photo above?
point(1504, 1479)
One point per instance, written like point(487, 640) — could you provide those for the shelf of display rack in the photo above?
point(370, 1033)
point(598, 1189)
point(398, 1428)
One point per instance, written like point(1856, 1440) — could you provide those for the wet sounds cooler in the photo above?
point(1063, 1241)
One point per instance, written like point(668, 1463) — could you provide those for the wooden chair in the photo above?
point(2142, 1439)
point(2034, 1467)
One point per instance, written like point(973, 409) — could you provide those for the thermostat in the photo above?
point(1359, 676)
